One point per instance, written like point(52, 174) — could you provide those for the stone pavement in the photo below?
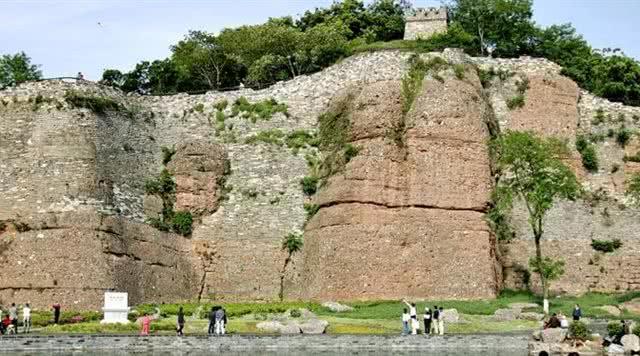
point(471, 344)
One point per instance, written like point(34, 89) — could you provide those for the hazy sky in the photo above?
point(65, 36)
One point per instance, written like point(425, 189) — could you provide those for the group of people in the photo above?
point(9, 320)
point(433, 320)
point(559, 320)
point(217, 322)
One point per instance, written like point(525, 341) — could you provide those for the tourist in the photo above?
point(415, 326)
point(56, 313)
point(405, 321)
point(413, 315)
point(577, 313)
point(427, 321)
point(441, 321)
point(145, 324)
point(435, 316)
point(6, 324)
point(180, 328)
point(553, 322)
point(13, 314)
point(212, 321)
point(221, 320)
point(26, 318)
point(79, 77)
point(564, 323)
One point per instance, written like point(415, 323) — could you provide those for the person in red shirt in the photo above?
point(4, 325)
point(146, 325)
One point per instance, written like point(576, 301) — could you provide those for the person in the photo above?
point(553, 322)
point(180, 328)
point(26, 318)
point(564, 323)
point(577, 313)
point(441, 320)
point(13, 314)
point(212, 321)
point(3, 324)
point(79, 77)
point(145, 324)
point(415, 326)
point(405, 321)
point(427, 321)
point(221, 320)
point(413, 315)
point(6, 324)
point(435, 316)
point(56, 313)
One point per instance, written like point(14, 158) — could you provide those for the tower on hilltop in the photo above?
point(425, 22)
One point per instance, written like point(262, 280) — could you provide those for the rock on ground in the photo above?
point(631, 343)
point(611, 310)
point(523, 305)
point(506, 314)
point(632, 306)
point(451, 316)
point(554, 335)
point(531, 316)
point(313, 326)
point(278, 327)
point(337, 307)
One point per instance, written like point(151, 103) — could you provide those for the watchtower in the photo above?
point(424, 22)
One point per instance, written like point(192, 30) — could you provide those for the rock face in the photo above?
point(407, 212)
point(553, 335)
point(631, 343)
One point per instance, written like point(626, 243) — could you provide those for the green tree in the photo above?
point(16, 69)
point(503, 26)
point(291, 243)
point(113, 78)
point(534, 172)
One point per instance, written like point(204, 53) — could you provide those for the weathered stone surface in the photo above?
point(199, 169)
point(313, 326)
point(290, 326)
point(523, 305)
point(630, 343)
point(553, 335)
point(632, 306)
point(611, 310)
point(451, 316)
point(531, 316)
point(279, 327)
point(422, 201)
point(337, 307)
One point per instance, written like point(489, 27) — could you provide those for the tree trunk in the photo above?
point(543, 280)
point(481, 37)
point(284, 269)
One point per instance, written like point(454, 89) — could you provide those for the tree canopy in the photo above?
point(16, 69)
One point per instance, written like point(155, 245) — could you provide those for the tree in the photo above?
point(291, 243)
point(16, 69)
point(534, 172)
point(113, 78)
point(503, 26)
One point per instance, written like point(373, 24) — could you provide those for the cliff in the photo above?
point(404, 217)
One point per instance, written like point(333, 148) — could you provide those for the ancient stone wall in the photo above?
point(425, 22)
point(67, 173)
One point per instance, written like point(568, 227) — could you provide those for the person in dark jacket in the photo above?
point(427, 320)
point(56, 313)
point(180, 328)
point(577, 312)
point(212, 321)
point(553, 322)
point(434, 317)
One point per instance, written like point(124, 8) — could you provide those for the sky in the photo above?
point(68, 36)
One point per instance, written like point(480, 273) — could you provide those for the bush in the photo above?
point(182, 223)
point(309, 185)
point(221, 105)
point(579, 330)
point(167, 154)
point(623, 136)
point(295, 313)
point(615, 328)
point(264, 109)
point(588, 153)
point(311, 210)
point(98, 104)
point(350, 152)
point(458, 69)
point(515, 102)
point(606, 245)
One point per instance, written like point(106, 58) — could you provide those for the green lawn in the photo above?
point(372, 317)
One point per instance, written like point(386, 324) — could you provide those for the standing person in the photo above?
point(405, 321)
point(13, 314)
point(26, 318)
point(221, 318)
point(434, 317)
point(56, 313)
point(180, 322)
point(441, 320)
point(145, 324)
point(577, 313)
point(212, 321)
point(79, 77)
point(427, 321)
point(413, 315)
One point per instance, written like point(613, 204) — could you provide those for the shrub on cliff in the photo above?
point(606, 245)
point(309, 185)
point(182, 223)
point(588, 153)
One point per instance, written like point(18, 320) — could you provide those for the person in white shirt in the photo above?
point(564, 323)
point(413, 314)
point(405, 322)
point(441, 321)
point(26, 318)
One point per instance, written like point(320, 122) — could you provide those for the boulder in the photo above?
point(451, 316)
point(337, 307)
point(523, 305)
point(554, 335)
point(537, 335)
point(615, 349)
point(313, 326)
point(630, 343)
point(633, 306)
point(506, 314)
point(611, 310)
point(531, 316)
point(279, 327)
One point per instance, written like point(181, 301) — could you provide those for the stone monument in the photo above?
point(425, 22)
point(115, 308)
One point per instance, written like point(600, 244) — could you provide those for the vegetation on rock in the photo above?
point(606, 245)
point(98, 104)
point(588, 153)
point(262, 110)
point(291, 244)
